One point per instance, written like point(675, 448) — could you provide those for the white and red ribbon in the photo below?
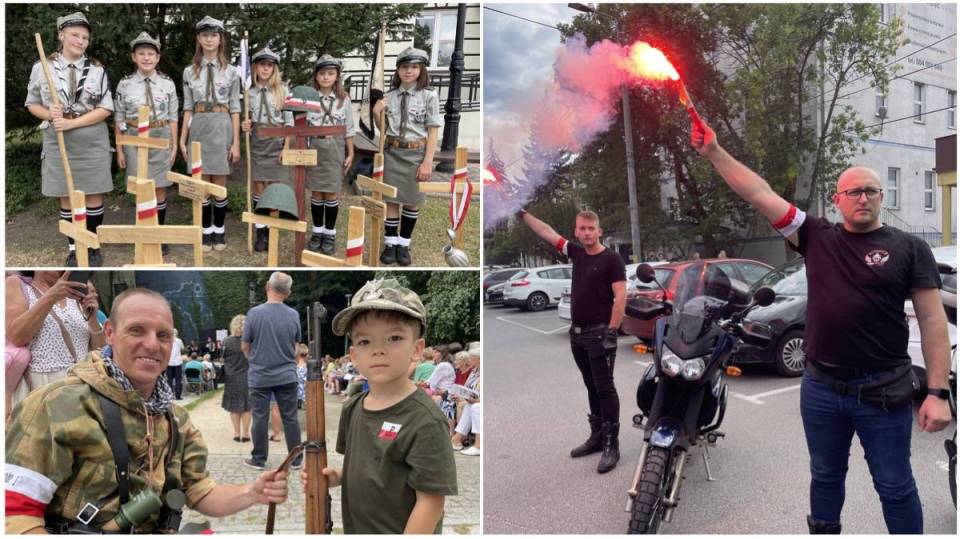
point(79, 214)
point(196, 167)
point(27, 492)
point(378, 173)
point(147, 209)
point(312, 105)
point(143, 127)
point(790, 222)
point(354, 247)
point(458, 209)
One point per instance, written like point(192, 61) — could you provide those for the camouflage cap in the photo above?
point(265, 54)
point(327, 61)
point(73, 19)
point(411, 55)
point(384, 295)
point(145, 39)
point(209, 23)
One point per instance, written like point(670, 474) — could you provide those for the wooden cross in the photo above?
point(76, 229)
point(197, 190)
point(148, 232)
point(354, 255)
point(300, 158)
point(375, 206)
point(275, 223)
point(143, 143)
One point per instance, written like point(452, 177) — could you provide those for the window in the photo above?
point(952, 111)
point(929, 190)
point(435, 33)
point(881, 104)
point(918, 102)
point(753, 272)
point(883, 13)
point(893, 188)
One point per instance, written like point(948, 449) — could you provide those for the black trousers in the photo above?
point(175, 378)
point(597, 372)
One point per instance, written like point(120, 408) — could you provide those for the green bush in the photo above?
point(22, 170)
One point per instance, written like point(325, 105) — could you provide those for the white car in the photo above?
point(563, 308)
point(535, 289)
point(947, 264)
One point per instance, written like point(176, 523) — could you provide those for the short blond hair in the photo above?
point(236, 324)
point(588, 215)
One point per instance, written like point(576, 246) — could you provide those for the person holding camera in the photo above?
point(106, 449)
point(598, 299)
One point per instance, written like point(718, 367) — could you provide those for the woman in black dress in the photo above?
point(235, 390)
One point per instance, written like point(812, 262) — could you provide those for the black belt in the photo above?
point(841, 373)
point(64, 526)
point(587, 328)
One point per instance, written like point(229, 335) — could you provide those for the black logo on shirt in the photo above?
point(876, 257)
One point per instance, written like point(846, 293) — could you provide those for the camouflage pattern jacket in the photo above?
point(58, 458)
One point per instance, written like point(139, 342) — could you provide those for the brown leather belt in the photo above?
point(156, 124)
point(210, 107)
point(70, 115)
point(395, 142)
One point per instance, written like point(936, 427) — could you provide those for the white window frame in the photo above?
point(918, 105)
point(930, 191)
point(880, 101)
point(437, 16)
point(952, 111)
point(892, 197)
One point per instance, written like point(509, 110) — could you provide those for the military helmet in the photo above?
point(303, 99)
point(278, 196)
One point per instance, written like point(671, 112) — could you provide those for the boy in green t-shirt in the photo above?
point(398, 462)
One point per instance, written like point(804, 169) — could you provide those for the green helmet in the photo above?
point(278, 196)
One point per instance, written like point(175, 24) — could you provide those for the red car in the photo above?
point(737, 269)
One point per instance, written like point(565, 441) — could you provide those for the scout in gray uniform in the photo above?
point(326, 179)
point(413, 119)
point(148, 87)
point(86, 102)
point(267, 93)
point(211, 116)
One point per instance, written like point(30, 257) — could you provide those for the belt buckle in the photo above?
point(577, 330)
point(87, 513)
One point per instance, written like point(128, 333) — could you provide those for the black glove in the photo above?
point(610, 340)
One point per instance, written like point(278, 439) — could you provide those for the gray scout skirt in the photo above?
point(265, 159)
point(159, 159)
point(88, 150)
point(400, 170)
point(327, 176)
point(214, 131)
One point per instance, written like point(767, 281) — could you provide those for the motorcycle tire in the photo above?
point(951, 446)
point(647, 511)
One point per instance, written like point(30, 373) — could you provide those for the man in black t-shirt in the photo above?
point(859, 273)
point(598, 298)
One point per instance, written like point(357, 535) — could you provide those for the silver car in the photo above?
point(536, 289)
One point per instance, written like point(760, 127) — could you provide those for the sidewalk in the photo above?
point(225, 463)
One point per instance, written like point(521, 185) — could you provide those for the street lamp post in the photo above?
point(627, 141)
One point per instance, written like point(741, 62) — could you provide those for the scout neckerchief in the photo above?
point(148, 96)
point(71, 83)
point(210, 77)
point(161, 398)
point(326, 103)
point(263, 108)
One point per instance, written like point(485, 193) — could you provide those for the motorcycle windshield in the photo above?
point(701, 295)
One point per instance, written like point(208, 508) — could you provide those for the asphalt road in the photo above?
point(536, 411)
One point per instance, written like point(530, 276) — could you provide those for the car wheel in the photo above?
point(790, 356)
point(537, 301)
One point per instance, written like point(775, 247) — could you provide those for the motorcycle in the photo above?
point(682, 396)
point(951, 444)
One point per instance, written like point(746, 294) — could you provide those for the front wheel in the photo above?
point(651, 490)
point(790, 356)
point(537, 302)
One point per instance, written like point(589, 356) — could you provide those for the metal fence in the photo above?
point(358, 84)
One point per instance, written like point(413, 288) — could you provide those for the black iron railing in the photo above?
point(358, 83)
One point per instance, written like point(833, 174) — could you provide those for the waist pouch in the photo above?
point(891, 390)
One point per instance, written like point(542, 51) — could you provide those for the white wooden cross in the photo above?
point(354, 254)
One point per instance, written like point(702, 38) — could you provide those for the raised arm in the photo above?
point(540, 228)
point(745, 182)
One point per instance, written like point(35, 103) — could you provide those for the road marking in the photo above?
point(755, 399)
point(538, 330)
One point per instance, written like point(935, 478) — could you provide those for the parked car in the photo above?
point(493, 295)
point(535, 289)
point(563, 308)
point(947, 265)
point(739, 270)
point(493, 277)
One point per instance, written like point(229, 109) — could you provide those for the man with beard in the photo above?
point(598, 298)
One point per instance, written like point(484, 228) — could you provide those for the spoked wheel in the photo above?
point(651, 490)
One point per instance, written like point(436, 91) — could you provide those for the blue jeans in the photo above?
point(286, 398)
point(829, 421)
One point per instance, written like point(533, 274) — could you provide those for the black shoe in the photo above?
point(251, 464)
point(389, 255)
point(165, 250)
point(219, 241)
point(403, 255)
point(609, 433)
point(820, 527)
point(71, 260)
point(207, 243)
point(94, 258)
point(316, 241)
point(329, 244)
point(593, 443)
point(260, 244)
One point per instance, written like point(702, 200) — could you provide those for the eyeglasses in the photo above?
point(855, 194)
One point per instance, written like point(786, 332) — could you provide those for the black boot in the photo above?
point(389, 255)
point(609, 433)
point(593, 443)
point(260, 244)
point(819, 527)
point(94, 258)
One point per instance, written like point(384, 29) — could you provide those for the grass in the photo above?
point(203, 398)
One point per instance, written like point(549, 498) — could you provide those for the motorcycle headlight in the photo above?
point(692, 369)
point(670, 363)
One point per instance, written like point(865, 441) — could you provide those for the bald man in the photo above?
point(858, 376)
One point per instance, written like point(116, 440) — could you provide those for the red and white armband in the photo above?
point(790, 222)
point(561, 246)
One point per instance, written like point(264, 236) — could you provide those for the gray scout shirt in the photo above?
point(423, 111)
point(132, 94)
point(338, 114)
point(92, 89)
point(226, 86)
point(272, 115)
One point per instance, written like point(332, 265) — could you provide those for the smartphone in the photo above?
point(79, 276)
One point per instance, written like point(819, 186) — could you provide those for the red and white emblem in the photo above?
point(876, 257)
point(389, 431)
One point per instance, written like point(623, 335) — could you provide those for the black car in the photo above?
point(783, 321)
point(495, 277)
